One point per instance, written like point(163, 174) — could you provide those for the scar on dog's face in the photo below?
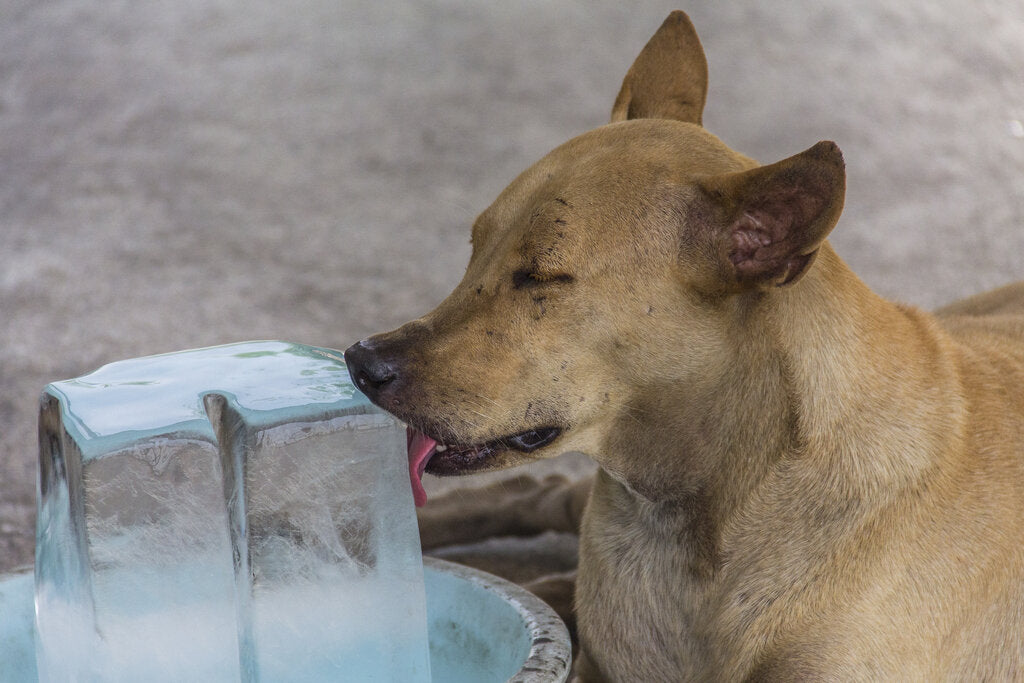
point(585, 283)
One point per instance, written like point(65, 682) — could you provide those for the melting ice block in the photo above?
point(237, 513)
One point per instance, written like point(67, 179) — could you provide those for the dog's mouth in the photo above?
point(428, 454)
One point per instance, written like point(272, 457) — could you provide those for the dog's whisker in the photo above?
point(466, 404)
point(452, 431)
point(489, 400)
point(639, 417)
point(634, 414)
point(478, 413)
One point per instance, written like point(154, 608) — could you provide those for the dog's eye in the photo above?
point(526, 278)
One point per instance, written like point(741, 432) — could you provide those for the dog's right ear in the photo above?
point(766, 224)
point(669, 80)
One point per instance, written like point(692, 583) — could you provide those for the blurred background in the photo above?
point(175, 175)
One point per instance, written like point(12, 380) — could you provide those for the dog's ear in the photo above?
point(768, 223)
point(669, 80)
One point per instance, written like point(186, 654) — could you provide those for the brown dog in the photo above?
point(798, 479)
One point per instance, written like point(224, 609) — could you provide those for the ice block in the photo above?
point(236, 513)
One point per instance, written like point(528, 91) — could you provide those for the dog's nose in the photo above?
point(368, 370)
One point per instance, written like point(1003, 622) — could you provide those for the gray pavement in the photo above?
point(175, 175)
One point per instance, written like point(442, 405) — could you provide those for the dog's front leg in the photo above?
point(521, 506)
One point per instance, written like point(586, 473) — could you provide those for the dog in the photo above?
point(798, 480)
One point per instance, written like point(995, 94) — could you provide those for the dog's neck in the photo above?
point(869, 378)
point(826, 381)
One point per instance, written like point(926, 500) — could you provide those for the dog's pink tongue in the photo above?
point(420, 447)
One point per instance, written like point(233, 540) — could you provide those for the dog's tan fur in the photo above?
point(798, 479)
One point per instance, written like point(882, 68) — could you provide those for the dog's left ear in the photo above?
point(669, 80)
point(768, 223)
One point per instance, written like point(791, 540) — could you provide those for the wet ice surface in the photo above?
point(233, 513)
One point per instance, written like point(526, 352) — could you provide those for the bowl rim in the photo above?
point(550, 648)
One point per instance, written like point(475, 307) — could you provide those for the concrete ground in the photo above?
point(183, 174)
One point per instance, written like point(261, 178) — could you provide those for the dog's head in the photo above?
point(599, 275)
